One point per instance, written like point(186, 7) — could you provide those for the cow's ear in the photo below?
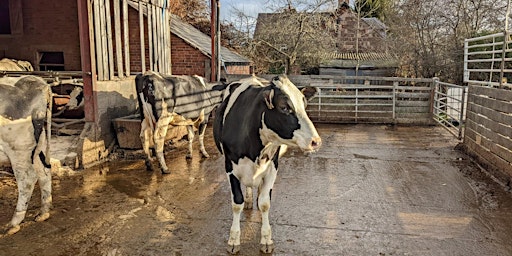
point(219, 87)
point(309, 92)
point(268, 96)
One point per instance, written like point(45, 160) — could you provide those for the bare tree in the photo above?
point(429, 34)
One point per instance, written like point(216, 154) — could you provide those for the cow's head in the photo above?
point(285, 120)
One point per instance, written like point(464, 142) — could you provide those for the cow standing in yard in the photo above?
point(173, 100)
point(25, 106)
point(252, 126)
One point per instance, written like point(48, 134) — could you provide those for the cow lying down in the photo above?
point(173, 100)
point(25, 106)
point(252, 125)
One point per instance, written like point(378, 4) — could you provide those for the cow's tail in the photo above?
point(49, 106)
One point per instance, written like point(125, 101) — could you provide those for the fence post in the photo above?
point(435, 83)
point(466, 58)
point(395, 86)
point(462, 109)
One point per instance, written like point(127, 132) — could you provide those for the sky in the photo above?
point(249, 7)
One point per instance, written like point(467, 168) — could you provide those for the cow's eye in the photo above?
point(287, 109)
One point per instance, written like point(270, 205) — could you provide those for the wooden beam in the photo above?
point(110, 48)
point(126, 38)
point(103, 38)
point(97, 32)
point(119, 46)
point(142, 45)
point(87, 57)
point(150, 35)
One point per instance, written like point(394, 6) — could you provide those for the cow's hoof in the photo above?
point(188, 156)
point(233, 249)
point(267, 248)
point(166, 171)
point(149, 166)
point(42, 217)
point(205, 155)
point(13, 230)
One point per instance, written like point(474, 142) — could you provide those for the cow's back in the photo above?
point(23, 111)
point(184, 95)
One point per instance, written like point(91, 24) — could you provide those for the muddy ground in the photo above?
point(370, 190)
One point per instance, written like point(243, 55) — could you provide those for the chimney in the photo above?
point(343, 4)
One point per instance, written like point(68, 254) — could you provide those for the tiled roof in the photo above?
point(198, 39)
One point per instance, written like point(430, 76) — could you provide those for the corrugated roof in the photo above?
point(361, 56)
point(198, 39)
point(364, 60)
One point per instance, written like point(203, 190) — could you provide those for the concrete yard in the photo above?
point(370, 190)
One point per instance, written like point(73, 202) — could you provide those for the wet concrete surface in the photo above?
point(370, 190)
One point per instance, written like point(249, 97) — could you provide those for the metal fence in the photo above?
point(371, 100)
point(449, 107)
point(488, 59)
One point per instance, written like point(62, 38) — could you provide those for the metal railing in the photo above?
point(371, 100)
point(449, 107)
point(488, 59)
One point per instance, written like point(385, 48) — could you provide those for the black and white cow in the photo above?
point(25, 106)
point(173, 100)
point(252, 126)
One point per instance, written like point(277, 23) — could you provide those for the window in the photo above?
point(5, 18)
point(11, 18)
point(53, 61)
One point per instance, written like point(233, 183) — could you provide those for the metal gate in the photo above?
point(449, 107)
point(363, 99)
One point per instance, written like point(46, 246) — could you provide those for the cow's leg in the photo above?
point(265, 190)
point(190, 137)
point(146, 137)
point(237, 203)
point(159, 137)
point(44, 178)
point(202, 130)
point(248, 198)
point(26, 178)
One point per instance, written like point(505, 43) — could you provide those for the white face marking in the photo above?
point(301, 137)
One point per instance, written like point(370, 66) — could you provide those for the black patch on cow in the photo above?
point(184, 95)
point(42, 157)
point(282, 119)
point(236, 189)
point(239, 132)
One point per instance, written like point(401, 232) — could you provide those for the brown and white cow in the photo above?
point(173, 100)
point(252, 125)
point(25, 106)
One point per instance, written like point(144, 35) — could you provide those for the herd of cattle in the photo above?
point(255, 121)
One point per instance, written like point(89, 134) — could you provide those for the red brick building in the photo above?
point(46, 34)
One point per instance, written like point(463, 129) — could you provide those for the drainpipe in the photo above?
point(213, 21)
point(217, 39)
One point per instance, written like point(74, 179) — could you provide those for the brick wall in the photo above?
point(369, 39)
point(238, 70)
point(49, 25)
point(187, 60)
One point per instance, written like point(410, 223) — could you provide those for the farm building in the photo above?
point(358, 44)
point(101, 44)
